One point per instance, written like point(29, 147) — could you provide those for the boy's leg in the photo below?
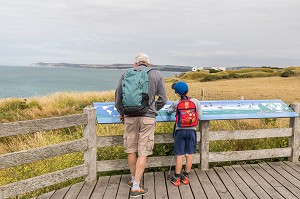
point(189, 163)
point(178, 166)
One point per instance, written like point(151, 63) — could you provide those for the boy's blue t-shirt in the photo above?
point(173, 108)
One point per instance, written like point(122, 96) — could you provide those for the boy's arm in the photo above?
point(172, 108)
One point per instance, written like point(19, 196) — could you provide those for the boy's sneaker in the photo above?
point(130, 183)
point(175, 181)
point(137, 193)
point(184, 179)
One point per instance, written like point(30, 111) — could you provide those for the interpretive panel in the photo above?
point(210, 110)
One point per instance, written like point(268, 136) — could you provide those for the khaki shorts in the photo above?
point(139, 135)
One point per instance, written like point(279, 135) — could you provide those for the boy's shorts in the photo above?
point(185, 141)
point(139, 135)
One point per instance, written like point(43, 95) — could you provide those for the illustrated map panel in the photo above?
point(210, 110)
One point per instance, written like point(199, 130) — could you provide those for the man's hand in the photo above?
point(121, 117)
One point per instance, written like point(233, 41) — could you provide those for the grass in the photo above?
point(59, 104)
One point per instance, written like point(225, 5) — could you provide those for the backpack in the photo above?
point(135, 98)
point(186, 114)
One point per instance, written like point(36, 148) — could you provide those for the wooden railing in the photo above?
point(91, 142)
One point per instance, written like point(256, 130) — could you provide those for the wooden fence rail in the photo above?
point(91, 142)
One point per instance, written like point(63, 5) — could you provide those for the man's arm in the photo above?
point(162, 95)
point(118, 97)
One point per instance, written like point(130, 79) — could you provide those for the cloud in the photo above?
point(106, 31)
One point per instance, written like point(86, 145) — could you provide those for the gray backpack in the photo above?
point(135, 98)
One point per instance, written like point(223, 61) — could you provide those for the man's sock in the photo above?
point(136, 186)
point(132, 178)
point(186, 173)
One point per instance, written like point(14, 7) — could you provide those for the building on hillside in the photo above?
point(197, 68)
point(219, 68)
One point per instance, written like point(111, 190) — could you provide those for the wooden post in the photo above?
point(202, 94)
point(90, 155)
point(204, 145)
point(294, 140)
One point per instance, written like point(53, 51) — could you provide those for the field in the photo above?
point(286, 89)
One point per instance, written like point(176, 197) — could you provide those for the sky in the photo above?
point(223, 33)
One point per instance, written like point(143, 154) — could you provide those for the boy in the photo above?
point(185, 137)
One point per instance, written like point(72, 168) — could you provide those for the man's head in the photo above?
point(142, 58)
point(180, 88)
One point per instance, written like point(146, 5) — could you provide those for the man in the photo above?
point(139, 128)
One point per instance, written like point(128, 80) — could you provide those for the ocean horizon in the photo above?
point(30, 81)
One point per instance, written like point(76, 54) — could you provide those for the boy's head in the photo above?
point(180, 88)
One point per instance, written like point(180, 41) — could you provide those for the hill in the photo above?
point(114, 66)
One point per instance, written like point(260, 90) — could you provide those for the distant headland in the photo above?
point(171, 68)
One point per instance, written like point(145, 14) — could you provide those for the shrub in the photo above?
point(213, 71)
point(211, 78)
point(287, 73)
point(233, 75)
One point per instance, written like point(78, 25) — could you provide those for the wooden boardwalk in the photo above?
point(265, 180)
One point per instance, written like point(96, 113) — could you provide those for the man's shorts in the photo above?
point(185, 142)
point(139, 135)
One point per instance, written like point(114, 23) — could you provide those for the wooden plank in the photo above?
point(124, 189)
point(112, 187)
point(249, 134)
point(293, 166)
point(117, 140)
point(261, 181)
point(206, 184)
point(45, 180)
point(160, 185)
point(30, 126)
point(232, 188)
point(249, 154)
point(86, 190)
point(250, 182)
point(292, 188)
point(60, 194)
point(173, 192)
point(204, 145)
point(275, 184)
point(149, 184)
point(122, 164)
point(185, 191)
point(218, 184)
point(46, 195)
point(239, 182)
point(290, 170)
point(74, 191)
point(100, 187)
point(285, 174)
point(31, 155)
point(196, 186)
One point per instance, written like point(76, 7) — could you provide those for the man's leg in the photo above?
point(132, 163)
point(140, 167)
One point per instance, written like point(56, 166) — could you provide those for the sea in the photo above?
point(30, 81)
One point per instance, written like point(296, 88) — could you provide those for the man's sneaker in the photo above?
point(184, 179)
point(175, 181)
point(137, 193)
point(130, 183)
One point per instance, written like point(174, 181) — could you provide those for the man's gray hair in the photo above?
point(142, 58)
